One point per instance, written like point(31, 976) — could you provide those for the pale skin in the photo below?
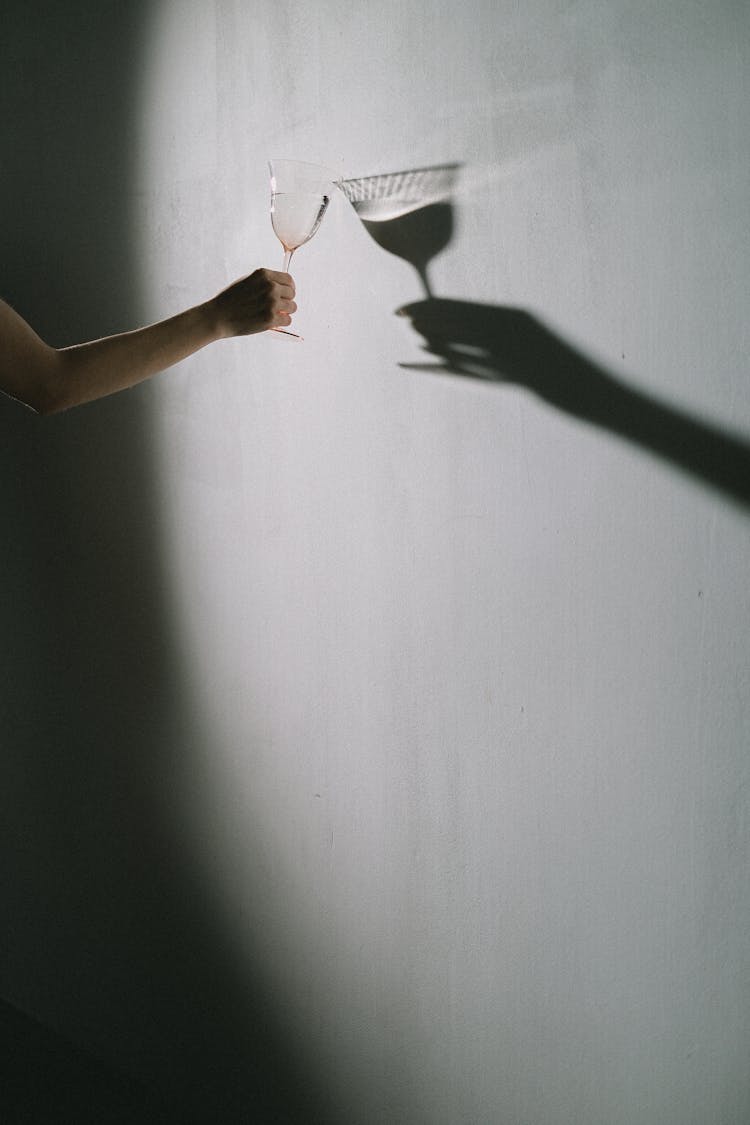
point(49, 380)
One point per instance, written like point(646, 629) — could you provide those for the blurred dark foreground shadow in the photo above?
point(499, 344)
point(46, 1080)
point(111, 937)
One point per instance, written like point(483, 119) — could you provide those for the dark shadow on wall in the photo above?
point(408, 213)
point(107, 935)
point(418, 237)
point(510, 345)
point(46, 1080)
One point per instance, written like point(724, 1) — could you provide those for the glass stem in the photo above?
point(287, 260)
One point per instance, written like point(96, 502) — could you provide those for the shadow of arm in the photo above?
point(500, 344)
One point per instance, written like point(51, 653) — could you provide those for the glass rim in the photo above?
point(329, 173)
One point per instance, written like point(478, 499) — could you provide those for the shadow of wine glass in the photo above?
point(501, 344)
point(417, 237)
point(409, 213)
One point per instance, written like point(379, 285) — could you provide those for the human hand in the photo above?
point(264, 299)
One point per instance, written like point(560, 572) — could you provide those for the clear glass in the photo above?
point(300, 194)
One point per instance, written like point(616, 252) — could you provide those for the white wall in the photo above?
point(467, 674)
point(473, 672)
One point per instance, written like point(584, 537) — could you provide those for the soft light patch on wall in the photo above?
point(468, 665)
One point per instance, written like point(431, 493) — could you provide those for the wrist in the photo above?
point(213, 323)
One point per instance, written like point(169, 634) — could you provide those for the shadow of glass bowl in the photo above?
point(408, 213)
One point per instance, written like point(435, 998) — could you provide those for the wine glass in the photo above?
point(300, 194)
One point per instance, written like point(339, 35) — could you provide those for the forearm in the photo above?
point(101, 367)
point(49, 380)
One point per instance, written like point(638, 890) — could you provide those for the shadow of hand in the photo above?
point(501, 344)
point(504, 344)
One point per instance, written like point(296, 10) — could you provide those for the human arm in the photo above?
point(49, 380)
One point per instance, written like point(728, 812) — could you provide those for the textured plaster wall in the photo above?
point(455, 748)
point(473, 669)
